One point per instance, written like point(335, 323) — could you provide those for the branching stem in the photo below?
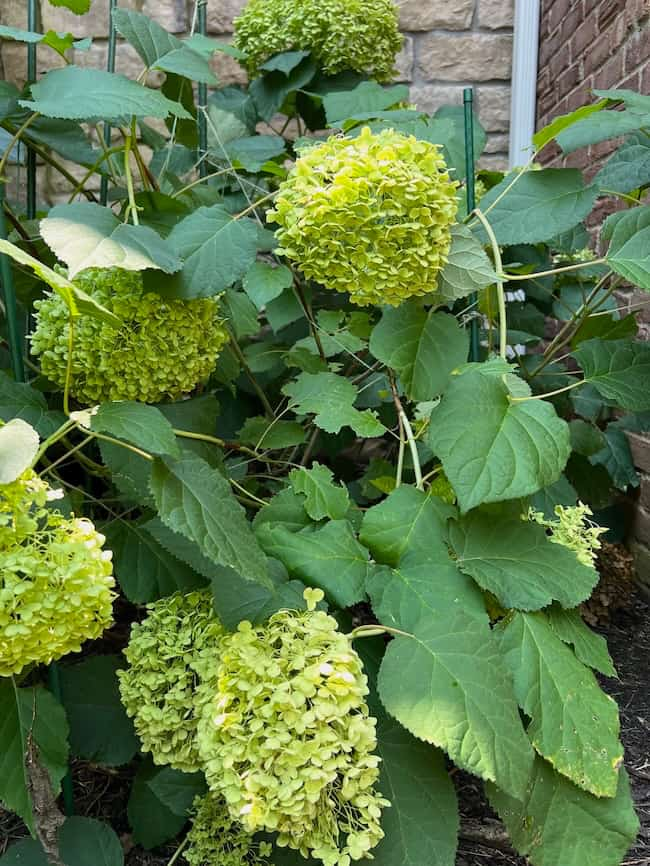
point(501, 297)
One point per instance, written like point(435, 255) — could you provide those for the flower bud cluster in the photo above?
point(287, 739)
point(370, 216)
point(357, 35)
point(573, 529)
point(161, 351)
point(56, 583)
point(168, 653)
point(216, 840)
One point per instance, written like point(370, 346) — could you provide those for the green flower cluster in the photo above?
point(56, 584)
point(161, 351)
point(358, 35)
point(574, 530)
point(168, 653)
point(371, 216)
point(216, 840)
point(286, 736)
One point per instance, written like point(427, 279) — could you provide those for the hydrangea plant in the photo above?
point(352, 441)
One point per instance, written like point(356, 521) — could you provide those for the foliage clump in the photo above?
point(56, 583)
point(287, 738)
point(573, 529)
point(215, 838)
point(371, 216)
point(167, 652)
point(161, 351)
point(358, 35)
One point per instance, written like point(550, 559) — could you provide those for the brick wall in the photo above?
point(586, 45)
point(449, 44)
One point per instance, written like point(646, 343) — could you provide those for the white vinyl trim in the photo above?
point(524, 80)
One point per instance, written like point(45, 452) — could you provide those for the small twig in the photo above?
point(309, 315)
point(234, 345)
point(485, 834)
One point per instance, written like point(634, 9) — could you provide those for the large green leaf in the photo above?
point(491, 448)
point(421, 826)
point(78, 93)
point(423, 348)
point(330, 397)
point(628, 251)
point(573, 723)
point(216, 250)
point(139, 424)
point(589, 647)
point(262, 282)
point(366, 98)
point(25, 852)
point(18, 447)
point(265, 435)
point(25, 713)
point(619, 370)
point(468, 269)
point(448, 686)
point(323, 498)
point(408, 520)
point(144, 569)
point(100, 730)
point(64, 136)
point(236, 599)
point(517, 562)
point(251, 152)
point(151, 820)
point(177, 790)
point(86, 235)
point(628, 168)
point(557, 823)
point(79, 7)
point(195, 500)
point(601, 126)
point(18, 400)
point(329, 557)
point(553, 129)
point(88, 842)
point(540, 205)
point(616, 456)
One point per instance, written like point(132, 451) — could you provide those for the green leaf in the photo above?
point(540, 205)
point(18, 35)
point(620, 226)
point(79, 7)
point(143, 568)
point(573, 723)
point(586, 438)
point(628, 253)
point(619, 370)
point(286, 508)
point(616, 456)
point(284, 62)
point(241, 313)
point(130, 473)
point(323, 498)
point(100, 730)
point(236, 599)
point(590, 648)
point(368, 97)
point(447, 685)
point(602, 126)
point(263, 434)
point(329, 557)
point(558, 823)
point(25, 852)
point(628, 168)
point(330, 397)
point(408, 520)
point(180, 547)
point(421, 826)
point(151, 820)
point(251, 152)
point(65, 137)
point(86, 235)
point(18, 447)
point(23, 712)
point(78, 93)
point(196, 501)
point(141, 425)
point(262, 282)
point(88, 842)
point(177, 790)
point(468, 268)
point(269, 91)
point(78, 302)
point(216, 250)
point(564, 121)
point(491, 448)
point(18, 400)
point(604, 328)
point(516, 561)
point(558, 493)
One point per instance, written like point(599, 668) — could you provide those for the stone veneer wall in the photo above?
point(448, 45)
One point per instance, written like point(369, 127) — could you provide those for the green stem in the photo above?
point(93, 168)
point(72, 180)
point(201, 180)
point(114, 441)
point(553, 271)
point(501, 296)
point(548, 393)
point(15, 138)
point(132, 209)
point(254, 205)
point(58, 434)
point(399, 472)
point(374, 630)
point(309, 315)
point(177, 853)
point(234, 345)
point(415, 457)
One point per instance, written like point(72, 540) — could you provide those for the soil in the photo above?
point(624, 619)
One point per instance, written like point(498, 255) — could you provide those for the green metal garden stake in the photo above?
point(32, 25)
point(202, 96)
point(110, 66)
point(468, 103)
point(9, 296)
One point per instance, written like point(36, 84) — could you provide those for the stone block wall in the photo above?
point(448, 45)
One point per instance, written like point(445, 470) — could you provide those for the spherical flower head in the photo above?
point(166, 656)
point(287, 739)
point(358, 35)
point(216, 840)
point(56, 583)
point(573, 529)
point(371, 216)
point(161, 351)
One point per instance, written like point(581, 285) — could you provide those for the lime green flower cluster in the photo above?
point(56, 584)
point(286, 736)
point(371, 216)
point(161, 351)
point(167, 654)
point(358, 35)
point(216, 840)
point(574, 530)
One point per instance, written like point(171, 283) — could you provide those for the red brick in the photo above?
point(637, 50)
point(641, 526)
point(611, 73)
point(583, 37)
point(568, 80)
point(570, 23)
point(640, 447)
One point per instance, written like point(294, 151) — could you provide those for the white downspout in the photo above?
point(524, 81)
